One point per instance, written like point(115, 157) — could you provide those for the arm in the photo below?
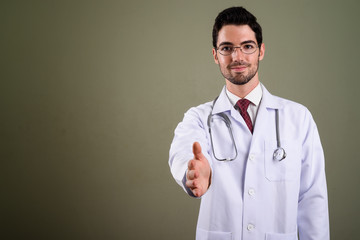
point(188, 162)
point(313, 217)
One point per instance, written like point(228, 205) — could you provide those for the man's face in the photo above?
point(238, 68)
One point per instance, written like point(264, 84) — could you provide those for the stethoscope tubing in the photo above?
point(228, 125)
point(279, 152)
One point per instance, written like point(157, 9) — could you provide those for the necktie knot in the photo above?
point(243, 105)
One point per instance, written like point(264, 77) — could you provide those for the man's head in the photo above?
point(238, 46)
point(236, 16)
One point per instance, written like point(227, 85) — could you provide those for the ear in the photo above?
point(215, 56)
point(262, 51)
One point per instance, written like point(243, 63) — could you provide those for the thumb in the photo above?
point(197, 151)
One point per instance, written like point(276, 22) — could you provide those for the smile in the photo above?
point(239, 68)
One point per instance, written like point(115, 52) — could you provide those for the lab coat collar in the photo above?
point(271, 101)
point(222, 103)
point(268, 101)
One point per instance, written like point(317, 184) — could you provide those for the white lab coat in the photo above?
point(255, 197)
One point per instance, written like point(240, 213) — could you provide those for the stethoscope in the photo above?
point(279, 152)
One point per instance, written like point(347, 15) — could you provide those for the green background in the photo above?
point(91, 92)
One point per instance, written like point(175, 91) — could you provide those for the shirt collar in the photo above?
point(254, 96)
point(223, 104)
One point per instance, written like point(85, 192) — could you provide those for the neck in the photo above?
point(242, 90)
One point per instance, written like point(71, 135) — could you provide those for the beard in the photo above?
point(239, 78)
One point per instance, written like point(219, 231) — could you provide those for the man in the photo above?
point(254, 159)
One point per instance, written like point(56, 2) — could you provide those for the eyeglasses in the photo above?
point(228, 49)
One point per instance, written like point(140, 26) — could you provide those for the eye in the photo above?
point(226, 48)
point(248, 46)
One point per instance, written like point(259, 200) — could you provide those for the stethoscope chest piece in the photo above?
point(279, 154)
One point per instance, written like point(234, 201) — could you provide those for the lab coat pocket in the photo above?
point(202, 234)
point(287, 169)
point(281, 236)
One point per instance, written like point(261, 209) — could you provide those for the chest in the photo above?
point(237, 152)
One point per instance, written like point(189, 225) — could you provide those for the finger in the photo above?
point(197, 151)
point(191, 164)
point(190, 184)
point(195, 189)
point(192, 174)
point(196, 192)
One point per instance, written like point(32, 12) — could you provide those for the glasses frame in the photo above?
point(240, 47)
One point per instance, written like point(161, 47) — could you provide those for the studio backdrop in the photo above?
point(91, 92)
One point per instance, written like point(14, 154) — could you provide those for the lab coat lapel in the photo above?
point(223, 104)
point(262, 122)
point(265, 116)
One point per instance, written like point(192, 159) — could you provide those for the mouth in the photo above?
point(240, 68)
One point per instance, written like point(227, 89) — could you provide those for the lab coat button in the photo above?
point(250, 227)
point(251, 192)
point(252, 157)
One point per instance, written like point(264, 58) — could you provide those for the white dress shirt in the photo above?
point(254, 97)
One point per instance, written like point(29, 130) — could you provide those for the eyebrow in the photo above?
point(230, 43)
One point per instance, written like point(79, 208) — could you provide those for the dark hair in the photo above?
point(236, 16)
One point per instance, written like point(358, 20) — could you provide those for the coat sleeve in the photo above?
point(313, 217)
point(191, 129)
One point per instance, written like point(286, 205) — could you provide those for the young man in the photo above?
point(254, 159)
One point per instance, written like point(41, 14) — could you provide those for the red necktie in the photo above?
point(243, 105)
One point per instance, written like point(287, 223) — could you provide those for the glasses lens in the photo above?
point(226, 49)
point(248, 48)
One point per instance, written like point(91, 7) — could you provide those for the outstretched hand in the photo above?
point(198, 176)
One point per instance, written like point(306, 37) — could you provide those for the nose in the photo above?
point(237, 54)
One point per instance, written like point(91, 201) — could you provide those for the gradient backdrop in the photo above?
point(91, 92)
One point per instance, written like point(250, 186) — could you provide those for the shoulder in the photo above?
point(291, 105)
point(297, 111)
point(200, 110)
point(283, 104)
